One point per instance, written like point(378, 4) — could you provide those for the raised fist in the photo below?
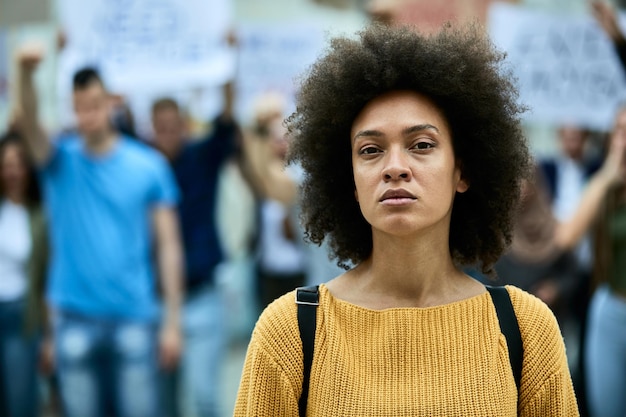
point(29, 56)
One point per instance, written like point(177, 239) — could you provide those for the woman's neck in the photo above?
point(405, 272)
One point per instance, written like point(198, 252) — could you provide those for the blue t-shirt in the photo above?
point(197, 170)
point(101, 227)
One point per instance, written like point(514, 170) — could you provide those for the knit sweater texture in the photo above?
point(449, 360)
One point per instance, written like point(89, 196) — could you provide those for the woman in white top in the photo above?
point(281, 256)
point(22, 271)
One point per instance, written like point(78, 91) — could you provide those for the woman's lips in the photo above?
point(397, 197)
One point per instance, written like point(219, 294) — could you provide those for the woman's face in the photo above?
point(13, 171)
point(404, 166)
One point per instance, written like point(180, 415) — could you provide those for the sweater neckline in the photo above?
point(325, 294)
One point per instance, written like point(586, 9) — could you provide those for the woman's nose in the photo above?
point(396, 166)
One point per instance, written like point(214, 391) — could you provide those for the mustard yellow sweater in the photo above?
point(448, 360)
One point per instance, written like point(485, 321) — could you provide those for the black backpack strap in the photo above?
point(510, 329)
point(307, 299)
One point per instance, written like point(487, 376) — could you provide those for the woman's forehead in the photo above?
point(401, 107)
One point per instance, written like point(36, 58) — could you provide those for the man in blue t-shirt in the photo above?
point(112, 207)
point(197, 165)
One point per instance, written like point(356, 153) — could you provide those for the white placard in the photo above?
point(146, 48)
point(142, 43)
point(567, 69)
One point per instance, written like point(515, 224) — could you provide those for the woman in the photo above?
point(280, 254)
point(414, 158)
point(23, 256)
point(541, 258)
point(605, 343)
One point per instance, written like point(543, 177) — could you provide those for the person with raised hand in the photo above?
point(111, 205)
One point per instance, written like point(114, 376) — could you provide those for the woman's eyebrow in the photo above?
point(367, 133)
point(405, 132)
point(419, 128)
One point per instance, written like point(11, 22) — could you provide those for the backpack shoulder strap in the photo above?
point(307, 299)
point(509, 328)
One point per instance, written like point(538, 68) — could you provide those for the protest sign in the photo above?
point(146, 48)
point(566, 68)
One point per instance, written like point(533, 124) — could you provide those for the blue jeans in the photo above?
point(197, 380)
point(106, 367)
point(19, 395)
point(605, 357)
point(204, 328)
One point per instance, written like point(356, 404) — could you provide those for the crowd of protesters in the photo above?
point(113, 247)
point(121, 305)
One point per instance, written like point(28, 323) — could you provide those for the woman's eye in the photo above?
point(370, 150)
point(424, 145)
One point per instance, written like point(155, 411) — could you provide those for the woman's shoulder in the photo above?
point(276, 329)
point(528, 307)
point(541, 335)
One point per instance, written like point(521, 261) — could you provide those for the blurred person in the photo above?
point(122, 118)
point(414, 157)
point(566, 176)
point(169, 138)
point(111, 204)
point(281, 256)
point(605, 362)
point(286, 258)
point(237, 222)
point(23, 262)
point(169, 128)
point(197, 165)
point(542, 257)
point(605, 341)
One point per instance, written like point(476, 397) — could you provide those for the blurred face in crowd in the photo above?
point(169, 131)
point(573, 141)
point(405, 170)
point(13, 171)
point(278, 136)
point(92, 106)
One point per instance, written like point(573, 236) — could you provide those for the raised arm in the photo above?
point(607, 19)
point(26, 111)
point(265, 146)
point(169, 255)
point(570, 232)
point(268, 171)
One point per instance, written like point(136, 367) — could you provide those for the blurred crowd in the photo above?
point(117, 251)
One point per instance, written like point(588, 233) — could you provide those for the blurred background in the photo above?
point(147, 49)
point(246, 56)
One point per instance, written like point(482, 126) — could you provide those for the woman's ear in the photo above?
point(462, 185)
